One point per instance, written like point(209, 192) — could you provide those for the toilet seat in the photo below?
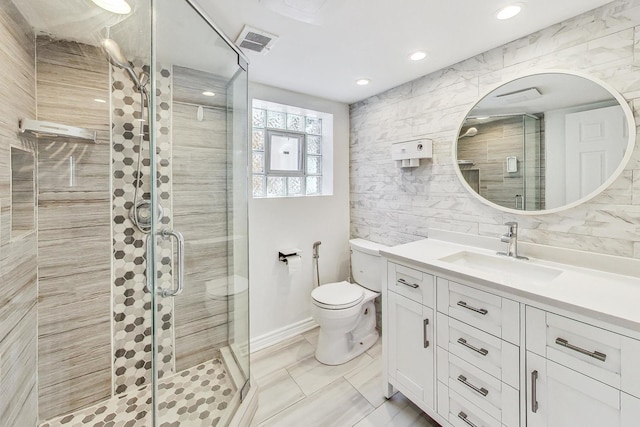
point(337, 296)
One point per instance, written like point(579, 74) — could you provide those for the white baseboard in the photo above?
point(279, 335)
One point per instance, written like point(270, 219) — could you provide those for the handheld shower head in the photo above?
point(470, 132)
point(115, 55)
point(117, 58)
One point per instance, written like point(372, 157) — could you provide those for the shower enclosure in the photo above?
point(502, 158)
point(123, 216)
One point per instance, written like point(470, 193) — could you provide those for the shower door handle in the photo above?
point(168, 234)
point(519, 202)
point(149, 269)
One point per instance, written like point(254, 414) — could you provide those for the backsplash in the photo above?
point(393, 206)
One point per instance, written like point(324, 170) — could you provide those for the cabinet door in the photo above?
point(558, 397)
point(411, 348)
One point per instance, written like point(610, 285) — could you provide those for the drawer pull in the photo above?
point(411, 285)
point(483, 391)
point(464, 417)
point(425, 323)
point(534, 391)
point(482, 351)
point(468, 307)
point(595, 354)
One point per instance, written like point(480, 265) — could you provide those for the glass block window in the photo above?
point(276, 120)
point(259, 118)
point(287, 154)
point(258, 140)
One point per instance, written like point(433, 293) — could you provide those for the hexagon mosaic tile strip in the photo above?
point(131, 300)
point(195, 397)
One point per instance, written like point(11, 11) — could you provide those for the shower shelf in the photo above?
point(465, 162)
point(38, 128)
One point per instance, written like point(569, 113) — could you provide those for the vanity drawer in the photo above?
point(491, 313)
point(492, 355)
point(598, 353)
point(411, 283)
point(496, 398)
point(460, 412)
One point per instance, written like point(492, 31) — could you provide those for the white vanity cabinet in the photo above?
point(558, 396)
point(580, 374)
point(472, 356)
point(410, 333)
point(478, 359)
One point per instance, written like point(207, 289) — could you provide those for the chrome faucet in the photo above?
point(511, 237)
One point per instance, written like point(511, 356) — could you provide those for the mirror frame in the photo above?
point(631, 129)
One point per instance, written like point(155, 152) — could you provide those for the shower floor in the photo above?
point(195, 397)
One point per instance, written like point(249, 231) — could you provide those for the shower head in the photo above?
point(470, 132)
point(117, 58)
point(115, 54)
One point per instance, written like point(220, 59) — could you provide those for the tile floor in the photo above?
point(297, 390)
point(195, 397)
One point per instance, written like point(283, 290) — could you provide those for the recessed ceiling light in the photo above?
point(102, 101)
point(418, 56)
point(208, 93)
point(509, 12)
point(363, 82)
point(120, 7)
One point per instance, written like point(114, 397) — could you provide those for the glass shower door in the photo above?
point(533, 163)
point(199, 243)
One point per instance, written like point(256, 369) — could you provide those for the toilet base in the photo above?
point(337, 346)
point(338, 350)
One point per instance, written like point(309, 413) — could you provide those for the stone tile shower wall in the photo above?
point(18, 255)
point(392, 205)
point(488, 150)
point(131, 300)
point(74, 230)
point(200, 213)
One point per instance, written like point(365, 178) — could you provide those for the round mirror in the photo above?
point(544, 142)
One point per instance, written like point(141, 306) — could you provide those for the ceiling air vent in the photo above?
point(254, 40)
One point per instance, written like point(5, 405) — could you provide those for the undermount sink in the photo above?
point(502, 265)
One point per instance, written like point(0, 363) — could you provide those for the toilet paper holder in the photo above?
point(283, 254)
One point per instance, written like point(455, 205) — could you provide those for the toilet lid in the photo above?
point(337, 295)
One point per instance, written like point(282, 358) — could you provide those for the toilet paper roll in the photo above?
point(293, 264)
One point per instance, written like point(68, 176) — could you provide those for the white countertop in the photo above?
point(605, 296)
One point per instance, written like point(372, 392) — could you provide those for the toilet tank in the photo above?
point(366, 263)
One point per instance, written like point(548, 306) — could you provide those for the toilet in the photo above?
point(345, 311)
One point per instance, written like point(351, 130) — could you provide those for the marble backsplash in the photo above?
point(392, 205)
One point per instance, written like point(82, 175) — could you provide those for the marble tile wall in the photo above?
point(18, 256)
point(74, 230)
point(394, 206)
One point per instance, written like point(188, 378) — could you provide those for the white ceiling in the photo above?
point(373, 38)
point(558, 91)
point(351, 39)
